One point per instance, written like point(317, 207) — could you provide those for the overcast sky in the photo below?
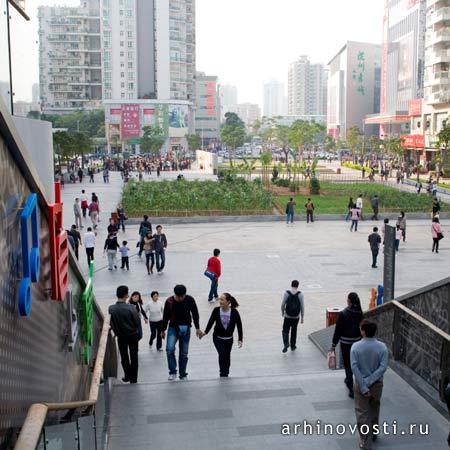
point(243, 42)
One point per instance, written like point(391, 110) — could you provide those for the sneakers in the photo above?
point(172, 377)
point(183, 378)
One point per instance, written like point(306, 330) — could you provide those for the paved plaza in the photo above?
point(266, 388)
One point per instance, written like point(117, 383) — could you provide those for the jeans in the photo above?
point(90, 254)
point(121, 224)
point(125, 263)
point(128, 348)
point(111, 259)
point(345, 349)
point(160, 260)
point(354, 224)
point(309, 216)
point(367, 410)
point(349, 214)
point(183, 337)
point(397, 244)
point(213, 290)
point(290, 325)
point(78, 222)
point(223, 347)
point(156, 328)
point(374, 258)
point(83, 210)
point(148, 257)
point(290, 217)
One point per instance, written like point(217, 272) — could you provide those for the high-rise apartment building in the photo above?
point(35, 93)
point(228, 98)
point(402, 66)
point(70, 75)
point(307, 87)
point(249, 113)
point(274, 99)
point(148, 49)
point(207, 108)
point(353, 88)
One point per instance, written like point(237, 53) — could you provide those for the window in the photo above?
point(121, 43)
point(121, 12)
point(130, 44)
point(122, 85)
point(130, 35)
point(129, 13)
point(122, 65)
point(130, 55)
point(121, 32)
point(130, 65)
point(122, 54)
point(122, 95)
point(122, 74)
point(131, 75)
point(130, 86)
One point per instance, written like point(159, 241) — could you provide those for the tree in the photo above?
point(194, 141)
point(266, 159)
point(330, 143)
point(63, 145)
point(248, 166)
point(444, 142)
point(281, 136)
point(82, 144)
point(354, 141)
point(233, 133)
point(393, 146)
point(90, 122)
point(300, 134)
point(153, 139)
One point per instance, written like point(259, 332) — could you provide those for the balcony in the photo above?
point(441, 15)
point(437, 57)
point(438, 98)
point(438, 37)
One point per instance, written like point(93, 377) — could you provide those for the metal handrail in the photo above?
point(34, 423)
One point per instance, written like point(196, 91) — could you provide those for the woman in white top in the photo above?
point(154, 310)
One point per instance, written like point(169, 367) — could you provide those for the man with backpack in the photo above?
point(292, 307)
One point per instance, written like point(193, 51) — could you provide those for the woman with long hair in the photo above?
point(347, 333)
point(136, 301)
point(149, 252)
point(436, 234)
point(226, 318)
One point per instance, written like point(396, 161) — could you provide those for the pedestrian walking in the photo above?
point(124, 252)
point(93, 213)
point(369, 361)
point(89, 244)
point(136, 301)
point(154, 310)
point(144, 228)
point(290, 209)
point(80, 174)
point(225, 318)
point(309, 211)
point(160, 246)
point(84, 202)
point(213, 272)
point(346, 333)
point(436, 233)
point(105, 175)
point(91, 174)
point(110, 248)
point(112, 227)
point(398, 237)
point(359, 205)
point(125, 323)
point(76, 236)
point(356, 215)
point(292, 308)
point(375, 205)
point(418, 187)
point(77, 213)
point(179, 312)
point(350, 206)
point(401, 222)
point(434, 189)
point(149, 253)
point(374, 240)
point(121, 217)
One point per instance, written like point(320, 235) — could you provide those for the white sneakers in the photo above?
point(172, 377)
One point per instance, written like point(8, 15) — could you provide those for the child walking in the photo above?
point(124, 251)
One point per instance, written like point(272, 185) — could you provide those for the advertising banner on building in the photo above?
point(415, 107)
point(130, 124)
point(113, 131)
point(413, 141)
point(161, 118)
point(178, 120)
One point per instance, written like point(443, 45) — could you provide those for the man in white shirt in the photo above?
point(89, 244)
point(359, 204)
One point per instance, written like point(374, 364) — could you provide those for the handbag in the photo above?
point(210, 275)
point(440, 236)
point(331, 359)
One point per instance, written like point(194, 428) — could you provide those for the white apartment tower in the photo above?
point(148, 49)
point(70, 57)
point(274, 99)
point(228, 98)
point(307, 87)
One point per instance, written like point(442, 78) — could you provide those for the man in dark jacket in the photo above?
point(76, 236)
point(126, 323)
point(374, 241)
point(375, 205)
point(179, 312)
point(160, 245)
point(347, 333)
point(144, 228)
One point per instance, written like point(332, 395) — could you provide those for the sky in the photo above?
point(244, 42)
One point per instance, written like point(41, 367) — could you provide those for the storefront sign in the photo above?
point(415, 107)
point(413, 141)
point(130, 125)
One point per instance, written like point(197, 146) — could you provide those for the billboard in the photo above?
point(130, 124)
point(178, 120)
point(113, 131)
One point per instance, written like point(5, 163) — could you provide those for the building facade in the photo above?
point(274, 99)
point(207, 109)
point(70, 72)
point(249, 113)
point(353, 88)
point(307, 88)
point(228, 98)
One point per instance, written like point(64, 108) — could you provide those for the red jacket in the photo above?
point(214, 266)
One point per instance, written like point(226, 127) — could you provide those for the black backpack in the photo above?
point(292, 307)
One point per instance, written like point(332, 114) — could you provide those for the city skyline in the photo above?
point(260, 55)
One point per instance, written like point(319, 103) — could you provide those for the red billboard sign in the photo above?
point(130, 125)
point(149, 111)
point(116, 111)
point(413, 141)
point(415, 107)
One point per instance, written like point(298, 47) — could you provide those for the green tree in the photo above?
point(444, 142)
point(153, 139)
point(354, 141)
point(82, 145)
point(266, 159)
point(233, 133)
point(281, 136)
point(300, 135)
point(393, 146)
point(90, 122)
point(330, 143)
point(63, 145)
point(194, 141)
